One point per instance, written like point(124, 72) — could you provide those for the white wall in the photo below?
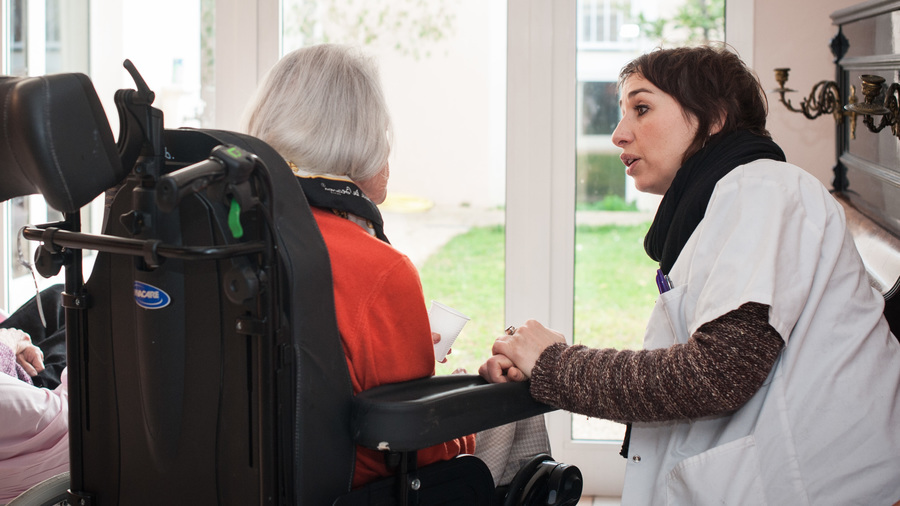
point(449, 111)
point(797, 34)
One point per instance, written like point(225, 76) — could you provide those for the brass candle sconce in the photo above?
point(872, 88)
point(824, 98)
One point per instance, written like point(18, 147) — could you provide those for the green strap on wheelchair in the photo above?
point(234, 220)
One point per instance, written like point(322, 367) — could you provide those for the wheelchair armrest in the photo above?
point(420, 413)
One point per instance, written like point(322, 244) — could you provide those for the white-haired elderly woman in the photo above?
point(322, 108)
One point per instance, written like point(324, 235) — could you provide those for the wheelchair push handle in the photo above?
point(226, 163)
point(143, 95)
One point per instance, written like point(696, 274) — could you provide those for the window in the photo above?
point(16, 30)
point(442, 67)
point(600, 109)
point(601, 24)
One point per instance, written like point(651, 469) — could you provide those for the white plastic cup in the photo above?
point(447, 322)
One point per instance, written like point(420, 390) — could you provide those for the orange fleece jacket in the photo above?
point(383, 322)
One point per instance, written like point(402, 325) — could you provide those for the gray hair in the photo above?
point(322, 108)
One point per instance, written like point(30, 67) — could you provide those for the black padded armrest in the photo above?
point(55, 140)
point(417, 414)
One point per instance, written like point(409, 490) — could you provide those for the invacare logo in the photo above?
point(150, 297)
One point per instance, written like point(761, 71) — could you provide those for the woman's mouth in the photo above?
point(628, 160)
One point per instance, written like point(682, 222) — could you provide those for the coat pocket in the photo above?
point(728, 474)
point(667, 325)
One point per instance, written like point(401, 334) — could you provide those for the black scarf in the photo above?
point(684, 204)
point(342, 196)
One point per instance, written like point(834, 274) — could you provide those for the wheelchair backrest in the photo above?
point(236, 388)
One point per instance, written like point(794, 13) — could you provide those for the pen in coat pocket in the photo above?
point(662, 281)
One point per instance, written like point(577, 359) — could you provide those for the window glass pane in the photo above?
point(600, 111)
point(66, 36)
point(172, 64)
point(171, 44)
point(602, 22)
point(17, 31)
point(614, 279)
point(443, 69)
point(18, 217)
point(53, 47)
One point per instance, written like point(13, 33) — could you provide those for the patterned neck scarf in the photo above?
point(343, 197)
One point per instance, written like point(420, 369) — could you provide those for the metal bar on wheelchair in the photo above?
point(138, 247)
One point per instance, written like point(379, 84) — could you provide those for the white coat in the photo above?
point(825, 426)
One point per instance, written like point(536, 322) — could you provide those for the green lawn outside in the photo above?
point(614, 288)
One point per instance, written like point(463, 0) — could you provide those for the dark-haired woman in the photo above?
point(769, 375)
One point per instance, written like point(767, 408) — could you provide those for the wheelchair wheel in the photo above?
point(53, 491)
point(543, 481)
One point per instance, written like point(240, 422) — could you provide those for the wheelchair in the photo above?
point(205, 365)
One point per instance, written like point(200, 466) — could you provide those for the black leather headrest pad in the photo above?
point(55, 140)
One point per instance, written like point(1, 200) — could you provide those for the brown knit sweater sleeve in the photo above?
point(720, 367)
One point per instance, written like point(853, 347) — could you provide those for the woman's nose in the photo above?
point(621, 136)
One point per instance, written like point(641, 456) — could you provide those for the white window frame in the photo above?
point(540, 201)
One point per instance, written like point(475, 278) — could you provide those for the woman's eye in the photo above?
point(641, 109)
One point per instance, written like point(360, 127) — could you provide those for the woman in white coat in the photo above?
point(769, 375)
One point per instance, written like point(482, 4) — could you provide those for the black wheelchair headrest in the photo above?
point(56, 141)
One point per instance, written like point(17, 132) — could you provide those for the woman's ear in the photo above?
point(716, 127)
point(376, 186)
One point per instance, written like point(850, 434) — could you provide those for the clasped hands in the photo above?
point(29, 356)
point(516, 352)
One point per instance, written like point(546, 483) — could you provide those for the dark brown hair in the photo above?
point(707, 82)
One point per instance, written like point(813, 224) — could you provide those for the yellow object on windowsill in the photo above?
point(401, 203)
